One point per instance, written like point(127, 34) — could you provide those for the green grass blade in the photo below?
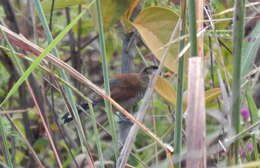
point(105, 70)
point(253, 118)
point(250, 49)
point(192, 28)
point(238, 34)
point(4, 143)
point(252, 107)
point(179, 100)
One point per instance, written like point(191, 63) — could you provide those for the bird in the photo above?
point(126, 89)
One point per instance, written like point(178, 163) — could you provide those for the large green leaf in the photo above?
point(155, 25)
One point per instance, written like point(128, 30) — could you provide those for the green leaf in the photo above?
point(252, 107)
point(40, 144)
point(113, 10)
point(59, 4)
point(251, 46)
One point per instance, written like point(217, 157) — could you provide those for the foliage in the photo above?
point(145, 34)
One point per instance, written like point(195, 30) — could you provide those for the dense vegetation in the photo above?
point(200, 108)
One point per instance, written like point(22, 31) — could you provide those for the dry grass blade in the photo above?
point(232, 9)
point(199, 24)
point(13, 111)
point(45, 126)
point(195, 122)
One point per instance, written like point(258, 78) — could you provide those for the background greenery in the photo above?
point(101, 39)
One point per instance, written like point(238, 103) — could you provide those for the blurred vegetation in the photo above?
point(136, 35)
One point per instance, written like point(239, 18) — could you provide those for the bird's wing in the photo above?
point(130, 80)
point(125, 86)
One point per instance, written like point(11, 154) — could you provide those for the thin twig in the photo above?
point(45, 126)
point(13, 111)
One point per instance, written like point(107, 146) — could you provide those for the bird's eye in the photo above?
point(150, 69)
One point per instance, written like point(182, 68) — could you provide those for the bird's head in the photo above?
point(149, 70)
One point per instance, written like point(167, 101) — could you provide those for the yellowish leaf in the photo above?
point(164, 88)
point(54, 127)
point(155, 25)
point(131, 8)
point(212, 94)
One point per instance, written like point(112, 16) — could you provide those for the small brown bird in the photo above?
point(126, 89)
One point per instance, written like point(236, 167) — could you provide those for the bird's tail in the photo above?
point(83, 107)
